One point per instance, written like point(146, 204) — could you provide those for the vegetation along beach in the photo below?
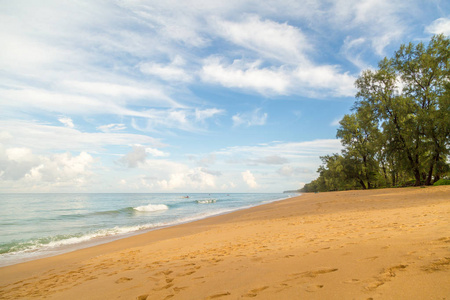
point(145, 147)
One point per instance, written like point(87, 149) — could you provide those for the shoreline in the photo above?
point(375, 243)
point(50, 251)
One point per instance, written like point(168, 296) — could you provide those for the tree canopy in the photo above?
point(399, 130)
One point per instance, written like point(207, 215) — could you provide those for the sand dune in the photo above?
point(377, 244)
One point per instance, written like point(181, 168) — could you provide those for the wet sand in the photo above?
point(379, 244)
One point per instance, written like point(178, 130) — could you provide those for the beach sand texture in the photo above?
point(376, 244)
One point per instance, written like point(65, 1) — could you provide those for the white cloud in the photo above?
point(228, 186)
point(55, 138)
point(16, 162)
point(169, 119)
point(112, 127)
point(192, 179)
point(205, 161)
point(137, 156)
point(167, 175)
point(185, 119)
point(353, 50)
point(278, 164)
point(169, 72)
point(441, 25)
point(380, 42)
point(30, 99)
point(126, 93)
point(292, 171)
point(211, 172)
point(377, 20)
point(68, 60)
point(325, 79)
point(304, 152)
point(266, 37)
point(20, 167)
point(172, 22)
point(249, 179)
point(245, 75)
point(64, 168)
point(254, 118)
point(18, 154)
point(67, 122)
point(269, 160)
point(308, 79)
point(155, 152)
point(202, 114)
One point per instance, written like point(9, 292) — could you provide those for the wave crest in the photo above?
point(151, 207)
point(206, 201)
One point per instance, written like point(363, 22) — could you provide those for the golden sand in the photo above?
point(379, 244)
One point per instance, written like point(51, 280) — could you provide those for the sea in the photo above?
point(33, 226)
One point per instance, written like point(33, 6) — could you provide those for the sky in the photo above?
point(187, 96)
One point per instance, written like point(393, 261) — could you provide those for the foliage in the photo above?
point(442, 182)
point(399, 130)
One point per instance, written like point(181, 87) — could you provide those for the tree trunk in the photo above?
point(430, 173)
point(385, 174)
point(430, 170)
point(414, 161)
point(366, 171)
point(362, 184)
point(417, 176)
point(394, 178)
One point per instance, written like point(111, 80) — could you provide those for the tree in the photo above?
point(405, 93)
point(400, 125)
point(425, 73)
point(359, 134)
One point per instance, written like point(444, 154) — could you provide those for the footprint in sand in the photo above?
point(123, 279)
point(385, 276)
point(187, 273)
point(444, 239)
point(372, 258)
point(437, 265)
point(215, 296)
point(317, 272)
point(313, 287)
point(254, 292)
point(167, 286)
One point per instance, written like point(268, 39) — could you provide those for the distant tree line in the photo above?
point(399, 130)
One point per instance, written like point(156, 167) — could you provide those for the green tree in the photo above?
point(359, 134)
point(400, 125)
point(424, 72)
point(405, 93)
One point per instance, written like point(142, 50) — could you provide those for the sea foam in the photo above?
point(206, 201)
point(151, 207)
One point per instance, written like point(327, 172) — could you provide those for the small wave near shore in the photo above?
point(151, 207)
point(206, 201)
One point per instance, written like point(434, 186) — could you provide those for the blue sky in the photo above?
point(186, 96)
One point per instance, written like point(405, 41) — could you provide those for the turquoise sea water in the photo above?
point(38, 225)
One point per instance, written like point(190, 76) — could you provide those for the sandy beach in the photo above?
point(376, 244)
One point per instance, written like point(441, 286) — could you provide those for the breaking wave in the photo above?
point(206, 201)
point(151, 207)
